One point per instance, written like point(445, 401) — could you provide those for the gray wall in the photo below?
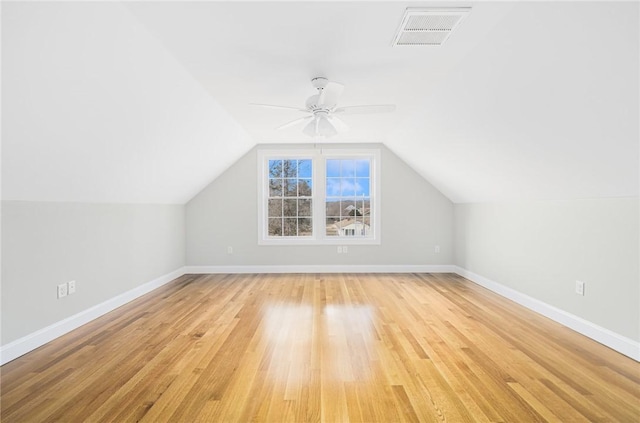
point(107, 249)
point(541, 249)
point(537, 248)
point(415, 218)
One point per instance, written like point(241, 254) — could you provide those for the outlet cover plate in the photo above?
point(62, 290)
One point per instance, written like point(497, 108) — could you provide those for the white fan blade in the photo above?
point(273, 106)
point(330, 94)
point(338, 124)
point(378, 108)
point(320, 127)
point(294, 122)
point(312, 128)
point(325, 127)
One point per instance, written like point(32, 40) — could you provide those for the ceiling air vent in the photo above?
point(428, 27)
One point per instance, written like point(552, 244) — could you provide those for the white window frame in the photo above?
point(318, 156)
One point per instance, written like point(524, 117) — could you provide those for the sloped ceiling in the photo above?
point(149, 101)
point(94, 109)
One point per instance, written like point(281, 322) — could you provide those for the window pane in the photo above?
point(345, 227)
point(331, 227)
point(357, 219)
point(364, 206)
point(304, 207)
point(290, 187)
point(365, 228)
point(290, 226)
point(333, 187)
point(305, 227)
point(332, 208)
point(275, 208)
point(275, 187)
point(275, 168)
point(348, 187)
point(354, 227)
point(304, 187)
point(348, 168)
point(362, 168)
point(348, 207)
point(362, 187)
point(333, 219)
point(275, 227)
point(333, 168)
point(290, 208)
point(304, 169)
point(290, 168)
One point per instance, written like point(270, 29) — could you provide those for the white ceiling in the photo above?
point(149, 101)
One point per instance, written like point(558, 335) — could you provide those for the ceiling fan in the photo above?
point(322, 108)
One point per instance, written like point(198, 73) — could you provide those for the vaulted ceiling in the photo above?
point(147, 102)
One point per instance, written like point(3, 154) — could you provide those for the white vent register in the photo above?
point(428, 27)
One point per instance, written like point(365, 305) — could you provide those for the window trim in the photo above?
point(318, 157)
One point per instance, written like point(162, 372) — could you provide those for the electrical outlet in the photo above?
point(580, 288)
point(229, 250)
point(62, 290)
point(340, 250)
point(345, 249)
point(437, 249)
point(71, 287)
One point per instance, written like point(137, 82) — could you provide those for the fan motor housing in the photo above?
point(312, 105)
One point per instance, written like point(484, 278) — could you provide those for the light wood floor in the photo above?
point(321, 347)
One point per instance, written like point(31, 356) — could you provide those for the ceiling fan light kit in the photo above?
point(322, 107)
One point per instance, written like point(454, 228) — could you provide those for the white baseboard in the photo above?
point(617, 342)
point(323, 268)
point(40, 337)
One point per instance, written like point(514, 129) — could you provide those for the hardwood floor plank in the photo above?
point(321, 348)
point(406, 408)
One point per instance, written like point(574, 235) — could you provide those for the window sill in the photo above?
point(318, 242)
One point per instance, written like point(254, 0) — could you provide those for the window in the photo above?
point(318, 197)
point(290, 198)
point(348, 199)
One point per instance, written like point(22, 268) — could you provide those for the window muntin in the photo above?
point(318, 196)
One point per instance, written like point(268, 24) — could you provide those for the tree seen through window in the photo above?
point(290, 198)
